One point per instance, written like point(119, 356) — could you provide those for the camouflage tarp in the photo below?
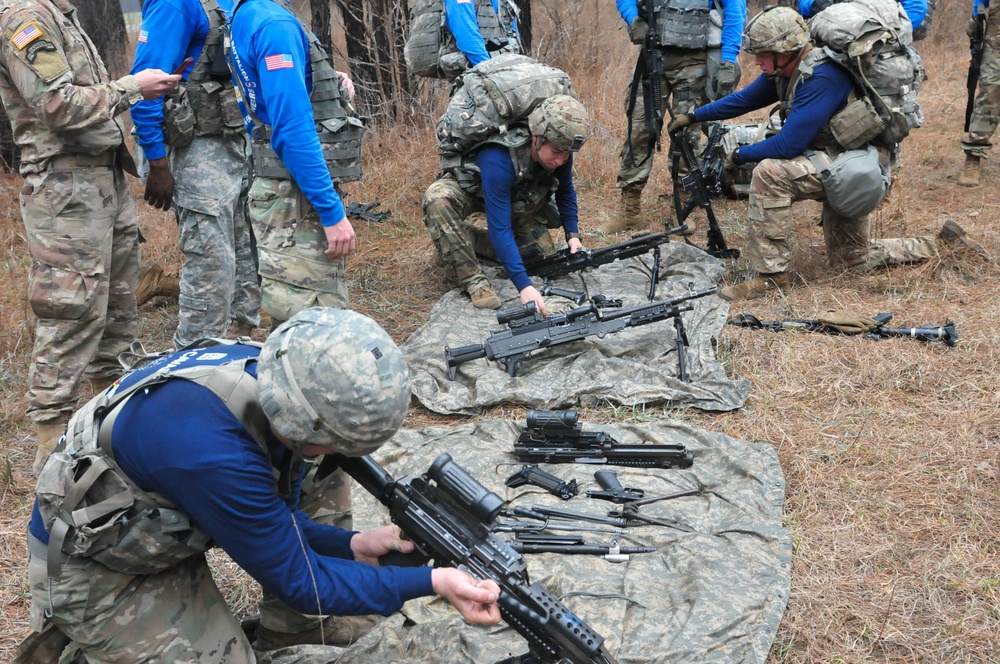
point(631, 367)
point(714, 595)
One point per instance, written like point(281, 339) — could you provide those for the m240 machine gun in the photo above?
point(449, 516)
point(527, 331)
point(702, 181)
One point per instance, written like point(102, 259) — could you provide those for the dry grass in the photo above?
point(889, 448)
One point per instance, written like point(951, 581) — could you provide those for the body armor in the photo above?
point(210, 87)
point(681, 23)
point(431, 50)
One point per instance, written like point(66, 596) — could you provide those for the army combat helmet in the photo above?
point(562, 121)
point(776, 30)
point(333, 378)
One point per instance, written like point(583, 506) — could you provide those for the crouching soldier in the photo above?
point(145, 482)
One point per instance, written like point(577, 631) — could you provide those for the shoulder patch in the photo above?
point(26, 35)
point(33, 50)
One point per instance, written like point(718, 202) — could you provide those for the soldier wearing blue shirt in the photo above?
point(305, 137)
point(206, 174)
point(481, 27)
point(811, 90)
point(225, 473)
point(699, 51)
point(986, 106)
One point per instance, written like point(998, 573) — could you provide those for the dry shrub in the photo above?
point(889, 447)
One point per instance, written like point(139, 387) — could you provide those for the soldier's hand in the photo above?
point(973, 27)
point(727, 78)
point(680, 121)
point(347, 83)
point(637, 30)
point(731, 162)
point(475, 600)
point(531, 294)
point(369, 547)
point(574, 244)
point(155, 83)
point(159, 184)
point(339, 238)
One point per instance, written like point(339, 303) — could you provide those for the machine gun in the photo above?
point(977, 42)
point(449, 516)
point(527, 331)
point(557, 436)
point(365, 211)
point(702, 182)
point(946, 334)
point(563, 262)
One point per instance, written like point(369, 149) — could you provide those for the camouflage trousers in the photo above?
point(83, 240)
point(986, 108)
point(682, 89)
point(295, 272)
point(776, 183)
point(219, 279)
point(459, 241)
point(178, 615)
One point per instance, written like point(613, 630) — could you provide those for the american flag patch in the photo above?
point(143, 36)
point(280, 61)
point(26, 35)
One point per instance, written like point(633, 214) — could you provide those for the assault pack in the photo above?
point(491, 99)
point(431, 51)
point(871, 39)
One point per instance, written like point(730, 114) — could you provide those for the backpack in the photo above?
point(492, 97)
point(430, 50)
point(871, 40)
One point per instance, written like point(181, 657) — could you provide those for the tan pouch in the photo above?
point(856, 124)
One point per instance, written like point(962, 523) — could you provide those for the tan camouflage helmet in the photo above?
point(333, 378)
point(776, 30)
point(562, 121)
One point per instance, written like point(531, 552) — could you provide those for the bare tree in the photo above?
point(104, 23)
point(524, 23)
point(375, 32)
point(321, 22)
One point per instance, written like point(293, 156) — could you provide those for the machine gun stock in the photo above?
point(449, 516)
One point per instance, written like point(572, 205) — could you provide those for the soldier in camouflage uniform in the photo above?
point(133, 585)
point(986, 110)
point(789, 163)
point(523, 181)
point(207, 175)
point(698, 52)
point(78, 215)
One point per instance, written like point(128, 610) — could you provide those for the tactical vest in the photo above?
point(339, 128)
point(533, 185)
point(681, 23)
point(786, 94)
point(91, 507)
point(210, 87)
point(431, 50)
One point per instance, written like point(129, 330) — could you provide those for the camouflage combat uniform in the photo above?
point(986, 110)
point(77, 211)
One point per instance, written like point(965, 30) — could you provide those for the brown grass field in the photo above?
point(890, 448)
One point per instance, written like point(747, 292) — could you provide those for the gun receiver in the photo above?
point(449, 516)
point(558, 437)
point(702, 181)
point(527, 331)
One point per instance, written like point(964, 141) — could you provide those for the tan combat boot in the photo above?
point(237, 331)
point(953, 237)
point(49, 432)
point(760, 285)
point(484, 298)
point(971, 172)
point(154, 281)
point(630, 214)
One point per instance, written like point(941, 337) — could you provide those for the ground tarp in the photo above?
point(713, 595)
point(632, 367)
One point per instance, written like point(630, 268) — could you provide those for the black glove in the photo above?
point(731, 164)
point(680, 121)
point(974, 26)
point(637, 30)
point(727, 78)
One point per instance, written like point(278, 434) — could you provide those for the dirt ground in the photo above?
point(890, 447)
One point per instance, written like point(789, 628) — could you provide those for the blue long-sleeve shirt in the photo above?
point(171, 31)
point(181, 441)
point(461, 19)
point(915, 10)
point(734, 17)
point(817, 99)
point(498, 175)
point(270, 51)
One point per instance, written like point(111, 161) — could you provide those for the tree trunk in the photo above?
point(321, 25)
point(524, 24)
point(375, 32)
point(104, 23)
